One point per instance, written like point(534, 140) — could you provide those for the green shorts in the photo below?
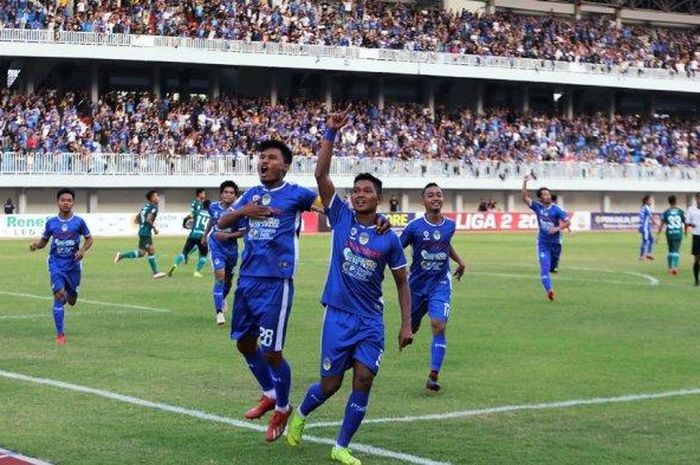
point(145, 242)
point(674, 244)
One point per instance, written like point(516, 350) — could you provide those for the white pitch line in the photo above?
point(200, 415)
point(535, 276)
point(519, 408)
point(86, 301)
point(72, 314)
point(652, 280)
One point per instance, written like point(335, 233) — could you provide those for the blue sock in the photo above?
point(260, 369)
point(650, 246)
point(282, 377)
point(315, 397)
point(437, 351)
point(354, 413)
point(545, 262)
point(58, 314)
point(218, 294)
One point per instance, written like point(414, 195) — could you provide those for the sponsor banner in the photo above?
point(616, 221)
point(492, 221)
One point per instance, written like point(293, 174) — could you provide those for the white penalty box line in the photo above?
point(520, 408)
point(89, 302)
point(200, 415)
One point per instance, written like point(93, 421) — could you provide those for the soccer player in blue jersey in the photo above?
point(430, 278)
point(551, 220)
point(646, 226)
point(65, 255)
point(263, 299)
point(353, 327)
point(223, 243)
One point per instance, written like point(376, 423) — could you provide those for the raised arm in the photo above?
point(461, 266)
point(326, 189)
point(524, 194)
point(401, 279)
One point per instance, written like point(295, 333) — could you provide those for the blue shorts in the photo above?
point(347, 337)
point(436, 305)
point(65, 277)
point(222, 258)
point(261, 307)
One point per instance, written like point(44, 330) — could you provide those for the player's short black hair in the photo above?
point(65, 190)
point(226, 184)
point(205, 204)
point(279, 145)
point(540, 191)
point(368, 177)
point(672, 199)
point(646, 198)
point(199, 191)
point(428, 186)
point(150, 194)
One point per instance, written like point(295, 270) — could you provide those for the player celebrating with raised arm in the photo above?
point(65, 255)
point(646, 225)
point(353, 327)
point(551, 220)
point(223, 243)
point(430, 279)
point(263, 299)
point(147, 227)
point(673, 220)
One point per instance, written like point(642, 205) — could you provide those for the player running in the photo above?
point(147, 227)
point(200, 222)
point(693, 221)
point(551, 220)
point(673, 220)
point(65, 255)
point(646, 225)
point(353, 328)
point(223, 243)
point(430, 279)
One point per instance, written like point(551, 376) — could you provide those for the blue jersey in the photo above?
point(430, 268)
point(548, 218)
point(65, 239)
point(359, 256)
point(645, 214)
point(272, 243)
point(216, 211)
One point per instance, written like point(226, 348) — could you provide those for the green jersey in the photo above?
point(199, 224)
point(674, 219)
point(145, 229)
point(195, 208)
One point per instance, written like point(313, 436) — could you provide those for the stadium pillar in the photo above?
point(569, 104)
point(273, 89)
point(526, 99)
point(430, 98)
point(611, 108)
point(577, 11)
point(328, 91)
point(22, 201)
point(606, 203)
point(92, 200)
point(491, 8)
point(480, 98)
point(652, 103)
point(404, 202)
point(459, 202)
point(214, 84)
point(380, 93)
point(94, 82)
point(156, 82)
point(28, 70)
point(618, 17)
point(510, 207)
point(161, 204)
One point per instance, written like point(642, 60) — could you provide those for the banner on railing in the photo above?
point(616, 221)
point(492, 221)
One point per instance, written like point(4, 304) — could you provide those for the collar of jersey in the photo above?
point(275, 189)
point(67, 220)
point(374, 226)
point(436, 225)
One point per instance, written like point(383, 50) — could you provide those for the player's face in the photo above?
point(433, 199)
point(65, 203)
point(364, 197)
point(271, 166)
point(155, 199)
point(546, 197)
point(228, 195)
point(202, 196)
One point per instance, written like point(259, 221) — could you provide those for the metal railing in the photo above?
point(13, 163)
point(324, 51)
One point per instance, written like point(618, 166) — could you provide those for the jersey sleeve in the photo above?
point(407, 235)
point(307, 198)
point(84, 230)
point(396, 258)
point(243, 199)
point(535, 206)
point(47, 231)
point(563, 214)
point(337, 210)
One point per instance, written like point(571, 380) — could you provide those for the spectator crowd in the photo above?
point(50, 122)
point(371, 24)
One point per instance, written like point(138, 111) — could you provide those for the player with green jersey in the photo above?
point(198, 227)
point(147, 227)
point(673, 220)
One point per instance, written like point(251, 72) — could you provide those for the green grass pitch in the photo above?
point(611, 332)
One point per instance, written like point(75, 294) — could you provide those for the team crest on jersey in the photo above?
point(426, 234)
point(364, 238)
point(353, 231)
point(256, 197)
point(266, 199)
point(437, 235)
point(326, 364)
point(64, 227)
